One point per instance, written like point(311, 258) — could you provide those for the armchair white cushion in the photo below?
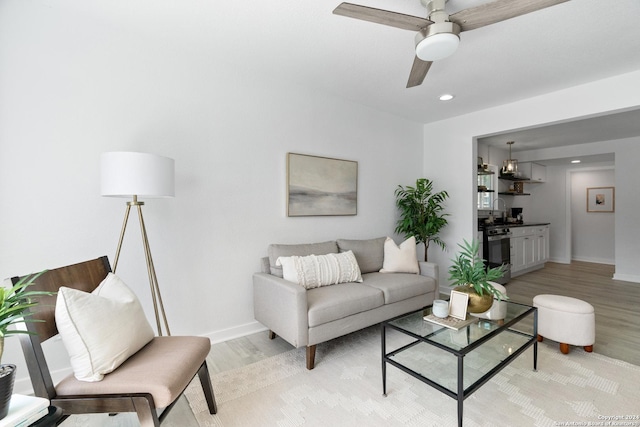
point(101, 329)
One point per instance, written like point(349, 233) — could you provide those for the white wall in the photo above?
point(592, 232)
point(450, 156)
point(72, 88)
point(626, 151)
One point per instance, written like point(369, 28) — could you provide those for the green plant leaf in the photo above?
point(421, 212)
point(15, 302)
point(468, 268)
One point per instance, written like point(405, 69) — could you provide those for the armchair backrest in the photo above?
point(84, 276)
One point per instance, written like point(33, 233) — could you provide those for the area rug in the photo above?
point(345, 389)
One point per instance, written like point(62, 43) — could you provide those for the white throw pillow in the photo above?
point(400, 259)
point(102, 329)
point(314, 271)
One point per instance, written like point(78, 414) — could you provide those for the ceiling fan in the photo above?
point(438, 35)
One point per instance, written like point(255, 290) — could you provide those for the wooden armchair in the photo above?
point(154, 377)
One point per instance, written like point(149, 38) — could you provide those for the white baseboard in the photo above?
point(527, 270)
point(446, 290)
point(560, 260)
point(23, 386)
point(626, 277)
point(595, 260)
point(235, 332)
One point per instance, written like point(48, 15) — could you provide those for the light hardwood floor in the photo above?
point(616, 304)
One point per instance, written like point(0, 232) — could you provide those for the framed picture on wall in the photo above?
point(319, 186)
point(601, 199)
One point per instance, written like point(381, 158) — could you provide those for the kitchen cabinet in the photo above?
point(529, 248)
point(534, 172)
point(542, 247)
point(517, 254)
point(530, 251)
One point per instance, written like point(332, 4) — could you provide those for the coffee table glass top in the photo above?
point(414, 323)
point(484, 346)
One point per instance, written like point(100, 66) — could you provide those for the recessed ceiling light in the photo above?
point(446, 97)
point(575, 161)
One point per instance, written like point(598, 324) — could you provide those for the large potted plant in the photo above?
point(421, 213)
point(469, 274)
point(14, 302)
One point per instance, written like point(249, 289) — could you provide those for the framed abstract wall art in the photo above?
point(601, 199)
point(319, 186)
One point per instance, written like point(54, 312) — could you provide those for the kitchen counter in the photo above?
point(525, 224)
point(512, 225)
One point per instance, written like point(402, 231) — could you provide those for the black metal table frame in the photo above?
point(461, 393)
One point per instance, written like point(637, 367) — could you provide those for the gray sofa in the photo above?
point(308, 317)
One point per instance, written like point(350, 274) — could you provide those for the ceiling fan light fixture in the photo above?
point(437, 41)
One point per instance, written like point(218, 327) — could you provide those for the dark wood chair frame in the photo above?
point(85, 276)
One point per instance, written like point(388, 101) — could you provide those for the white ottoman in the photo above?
point(567, 320)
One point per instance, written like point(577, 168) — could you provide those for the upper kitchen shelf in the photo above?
point(512, 178)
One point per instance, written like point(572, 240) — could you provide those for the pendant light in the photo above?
point(509, 166)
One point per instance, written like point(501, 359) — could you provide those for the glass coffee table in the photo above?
point(458, 362)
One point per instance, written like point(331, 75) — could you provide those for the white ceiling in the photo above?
point(613, 126)
point(609, 127)
point(303, 42)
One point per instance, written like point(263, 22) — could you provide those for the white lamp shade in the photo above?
point(126, 174)
point(437, 46)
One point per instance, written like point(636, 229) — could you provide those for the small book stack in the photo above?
point(451, 322)
point(25, 410)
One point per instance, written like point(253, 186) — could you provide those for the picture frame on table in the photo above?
point(458, 302)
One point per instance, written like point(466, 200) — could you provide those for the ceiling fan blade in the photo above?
point(499, 10)
point(418, 72)
point(379, 16)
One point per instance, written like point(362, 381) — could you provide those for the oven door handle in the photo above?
point(498, 237)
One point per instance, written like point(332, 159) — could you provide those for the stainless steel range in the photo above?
point(497, 249)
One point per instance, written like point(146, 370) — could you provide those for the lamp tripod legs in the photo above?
point(124, 228)
point(153, 279)
point(158, 306)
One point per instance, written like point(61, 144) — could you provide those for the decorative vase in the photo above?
point(477, 303)
point(440, 308)
point(7, 377)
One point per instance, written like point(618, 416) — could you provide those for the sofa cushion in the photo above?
point(276, 251)
point(330, 303)
point(369, 253)
point(314, 271)
point(400, 259)
point(399, 286)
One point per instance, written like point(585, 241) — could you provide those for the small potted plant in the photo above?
point(470, 275)
point(14, 302)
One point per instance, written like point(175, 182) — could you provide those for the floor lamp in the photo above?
point(129, 174)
